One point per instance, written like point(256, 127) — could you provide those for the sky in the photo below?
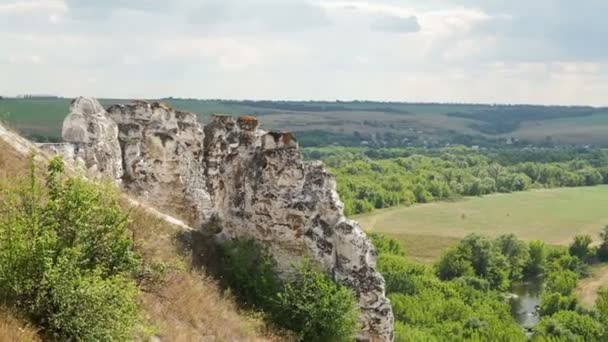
point(473, 51)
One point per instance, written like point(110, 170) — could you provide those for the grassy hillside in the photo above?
point(183, 304)
point(554, 216)
point(352, 123)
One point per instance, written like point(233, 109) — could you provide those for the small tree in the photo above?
point(516, 252)
point(538, 259)
point(580, 247)
point(453, 265)
point(317, 308)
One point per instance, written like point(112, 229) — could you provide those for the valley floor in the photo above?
point(554, 216)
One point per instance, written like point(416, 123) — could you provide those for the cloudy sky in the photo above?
point(491, 51)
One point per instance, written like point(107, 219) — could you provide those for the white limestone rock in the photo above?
point(162, 153)
point(94, 137)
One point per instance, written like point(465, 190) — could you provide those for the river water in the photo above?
point(525, 302)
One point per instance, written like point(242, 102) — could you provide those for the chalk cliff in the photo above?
point(232, 180)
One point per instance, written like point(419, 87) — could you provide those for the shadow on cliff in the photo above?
point(203, 250)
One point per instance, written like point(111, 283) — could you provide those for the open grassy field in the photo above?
point(354, 122)
point(553, 216)
point(592, 129)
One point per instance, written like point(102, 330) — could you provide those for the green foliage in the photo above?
point(561, 281)
point(602, 251)
point(312, 304)
point(87, 307)
point(250, 271)
point(517, 254)
point(552, 302)
point(601, 304)
point(481, 255)
point(428, 309)
point(385, 245)
point(580, 247)
point(569, 326)
point(453, 265)
point(66, 257)
point(400, 275)
point(537, 262)
point(316, 308)
point(373, 179)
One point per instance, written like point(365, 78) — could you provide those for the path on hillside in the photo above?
point(587, 288)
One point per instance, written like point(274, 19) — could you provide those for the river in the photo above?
point(525, 302)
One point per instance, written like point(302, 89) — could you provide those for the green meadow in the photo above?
point(554, 216)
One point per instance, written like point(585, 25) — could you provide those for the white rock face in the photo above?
point(250, 183)
point(94, 136)
point(162, 155)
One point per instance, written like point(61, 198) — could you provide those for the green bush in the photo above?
point(66, 257)
point(312, 305)
point(568, 326)
point(478, 256)
point(87, 307)
point(561, 281)
point(602, 251)
point(538, 259)
point(581, 247)
point(386, 245)
point(517, 254)
point(317, 308)
point(399, 274)
point(552, 302)
point(453, 265)
point(250, 271)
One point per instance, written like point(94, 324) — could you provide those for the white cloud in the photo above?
point(54, 10)
point(25, 60)
point(228, 54)
point(435, 50)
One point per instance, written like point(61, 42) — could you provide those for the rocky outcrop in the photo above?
point(232, 175)
point(93, 136)
point(162, 157)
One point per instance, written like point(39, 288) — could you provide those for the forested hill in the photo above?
point(363, 123)
point(379, 178)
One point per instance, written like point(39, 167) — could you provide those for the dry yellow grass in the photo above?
point(12, 163)
point(15, 330)
point(188, 306)
point(587, 288)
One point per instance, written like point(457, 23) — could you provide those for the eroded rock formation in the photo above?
point(255, 184)
point(94, 137)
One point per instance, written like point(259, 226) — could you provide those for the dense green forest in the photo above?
point(379, 178)
point(462, 297)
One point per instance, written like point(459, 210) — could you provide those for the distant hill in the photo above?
point(355, 123)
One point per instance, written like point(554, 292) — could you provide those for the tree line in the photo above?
point(366, 183)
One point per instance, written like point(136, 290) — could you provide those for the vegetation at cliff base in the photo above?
point(311, 304)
